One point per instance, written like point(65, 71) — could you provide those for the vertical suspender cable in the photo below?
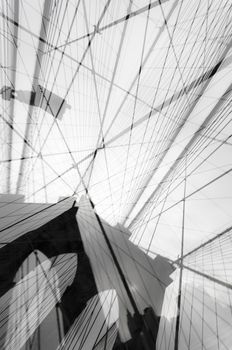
point(181, 270)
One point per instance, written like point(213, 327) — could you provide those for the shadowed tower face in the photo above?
point(74, 265)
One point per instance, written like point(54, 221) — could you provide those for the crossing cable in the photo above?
point(101, 120)
point(196, 310)
point(118, 21)
point(141, 67)
point(47, 100)
point(92, 241)
point(219, 235)
point(97, 340)
point(87, 331)
point(76, 335)
point(88, 318)
point(40, 50)
point(70, 85)
point(200, 273)
point(177, 131)
point(208, 324)
point(78, 323)
point(201, 79)
point(207, 75)
point(167, 137)
point(54, 204)
point(25, 303)
point(89, 44)
point(73, 59)
point(190, 143)
point(170, 127)
point(197, 190)
point(25, 141)
point(39, 55)
point(161, 201)
point(185, 315)
point(135, 101)
point(59, 304)
point(159, 216)
point(48, 300)
point(190, 173)
point(101, 135)
point(207, 276)
point(40, 67)
point(116, 262)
